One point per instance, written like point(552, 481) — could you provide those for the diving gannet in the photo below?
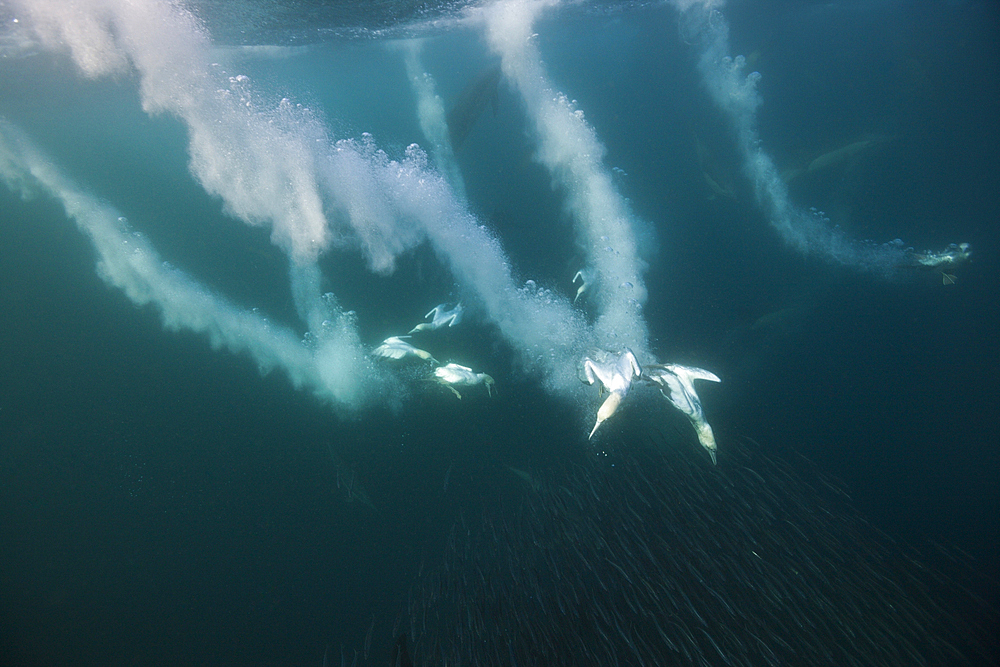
point(953, 255)
point(394, 347)
point(616, 376)
point(677, 385)
point(450, 375)
point(441, 316)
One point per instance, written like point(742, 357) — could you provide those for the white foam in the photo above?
point(334, 368)
point(570, 150)
point(258, 160)
point(275, 164)
point(431, 115)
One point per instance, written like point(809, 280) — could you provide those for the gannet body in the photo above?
point(583, 275)
point(395, 347)
point(450, 375)
point(840, 155)
point(616, 376)
point(441, 316)
point(952, 256)
point(676, 383)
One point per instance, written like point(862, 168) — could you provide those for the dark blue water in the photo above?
point(162, 502)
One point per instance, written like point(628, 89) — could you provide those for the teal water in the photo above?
point(164, 501)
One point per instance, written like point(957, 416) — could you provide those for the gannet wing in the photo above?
point(584, 279)
point(594, 372)
point(389, 352)
point(455, 316)
point(634, 369)
point(681, 394)
point(947, 278)
point(690, 373)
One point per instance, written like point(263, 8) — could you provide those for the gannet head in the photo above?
point(706, 437)
point(490, 384)
point(607, 409)
point(425, 355)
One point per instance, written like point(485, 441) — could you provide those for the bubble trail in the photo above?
point(570, 149)
point(735, 93)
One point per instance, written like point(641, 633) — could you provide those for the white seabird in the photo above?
point(615, 376)
point(441, 316)
point(952, 256)
point(394, 347)
point(451, 375)
point(676, 383)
